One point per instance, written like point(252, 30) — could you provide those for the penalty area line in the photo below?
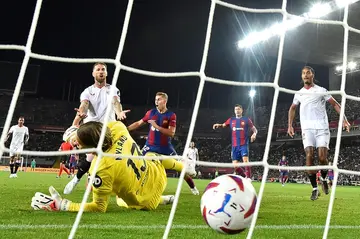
point(153, 227)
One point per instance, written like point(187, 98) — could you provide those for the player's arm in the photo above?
point(81, 112)
point(8, 136)
point(170, 131)
point(101, 194)
point(167, 131)
point(253, 129)
point(337, 108)
point(223, 125)
point(197, 155)
point(291, 115)
point(9, 133)
point(139, 123)
point(135, 125)
point(99, 204)
point(120, 113)
point(26, 138)
point(215, 126)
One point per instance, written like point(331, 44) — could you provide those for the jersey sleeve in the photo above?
point(11, 130)
point(296, 100)
point(227, 122)
point(172, 120)
point(115, 92)
point(326, 97)
point(146, 116)
point(102, 188)
point(85, 95)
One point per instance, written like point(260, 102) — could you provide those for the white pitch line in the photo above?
point(152, 227)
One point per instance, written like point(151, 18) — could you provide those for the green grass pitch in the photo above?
point(286, 212)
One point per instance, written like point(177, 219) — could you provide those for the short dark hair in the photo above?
point(238, 105)
point(100, 63)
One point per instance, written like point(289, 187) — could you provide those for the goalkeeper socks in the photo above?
point(16, 167)
point(12, 168)
point(312, 178)
point(189, 181)
point(323, 174)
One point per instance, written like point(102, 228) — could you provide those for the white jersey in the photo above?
point(192, 153)
point(312, 108)
point(98, 102)
point(18, 137)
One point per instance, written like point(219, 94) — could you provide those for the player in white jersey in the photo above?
point(193, 156)
point(314, 125)
point(94, 102)
point(20, 137)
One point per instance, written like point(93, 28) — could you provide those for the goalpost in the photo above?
point(203, 79)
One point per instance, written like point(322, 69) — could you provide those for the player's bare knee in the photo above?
point(323, 155)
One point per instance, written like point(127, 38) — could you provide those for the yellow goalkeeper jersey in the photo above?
point(140, 183)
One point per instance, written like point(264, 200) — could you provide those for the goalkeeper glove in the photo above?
point(54, 202)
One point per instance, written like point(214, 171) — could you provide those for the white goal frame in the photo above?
point(203, 78)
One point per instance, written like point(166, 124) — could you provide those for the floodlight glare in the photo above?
point(343, 3)
point(252, 93)
point(319, 10)
point(352, 65)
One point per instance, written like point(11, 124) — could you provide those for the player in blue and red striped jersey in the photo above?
point(240, 126)
point(283, 172)
point(162, 127)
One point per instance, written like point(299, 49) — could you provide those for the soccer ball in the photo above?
point(228, 204)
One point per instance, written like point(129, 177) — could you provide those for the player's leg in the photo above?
point(244, 151)
point(322, 142)
point(309, 152)
point(281, 178)
point(66, 170)
point(160, 180)
point(173, 164)
point(309, 142)
point(286, 178)
point(236, 157)
point(11, 165)
point(83, 167)
point(17, 164)
point(330, 181)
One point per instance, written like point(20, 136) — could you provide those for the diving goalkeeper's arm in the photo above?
point(55, 202)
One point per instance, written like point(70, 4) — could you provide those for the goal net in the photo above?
point(288, 20)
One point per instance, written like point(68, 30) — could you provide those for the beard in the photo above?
point(307, 82)
point(100, 79)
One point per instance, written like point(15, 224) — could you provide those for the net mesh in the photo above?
point(203, 78)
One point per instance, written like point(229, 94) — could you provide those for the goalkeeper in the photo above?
point(137, 183)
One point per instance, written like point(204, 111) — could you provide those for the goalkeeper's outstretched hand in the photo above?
point(54, 202)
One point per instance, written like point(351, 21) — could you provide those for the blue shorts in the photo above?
point(331, 177)
point(237, 152)
point(284, 173)
point(168, 150)
point(72, 165)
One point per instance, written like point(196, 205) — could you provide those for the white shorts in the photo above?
point(316, 138)
point(16, 148)
point(190, 167)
